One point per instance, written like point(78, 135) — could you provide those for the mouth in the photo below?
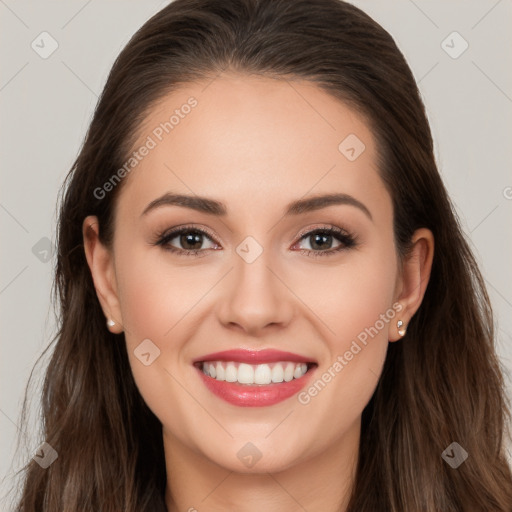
point(254, 378)
point(254, 374)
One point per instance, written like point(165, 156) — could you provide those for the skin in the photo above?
point(256, 144)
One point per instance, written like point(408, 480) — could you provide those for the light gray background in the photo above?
point(46, 105)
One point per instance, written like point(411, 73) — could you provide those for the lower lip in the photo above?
point(244, 395)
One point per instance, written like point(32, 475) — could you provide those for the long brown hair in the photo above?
point(441, 384)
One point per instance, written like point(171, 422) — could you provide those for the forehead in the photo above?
point(253, 140)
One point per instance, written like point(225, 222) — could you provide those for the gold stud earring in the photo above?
point(401, 331)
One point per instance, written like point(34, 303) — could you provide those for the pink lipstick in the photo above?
point(249, 378)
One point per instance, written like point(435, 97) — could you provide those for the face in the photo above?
point(321, 283)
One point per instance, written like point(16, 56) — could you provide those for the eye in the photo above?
point(191, 240)
point(322, 237)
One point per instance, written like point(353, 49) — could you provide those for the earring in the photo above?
point(110, 322)
point(401, 331)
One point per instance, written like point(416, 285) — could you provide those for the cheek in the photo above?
point(154, 294)
point(155, 300)
point(160, 301)
point(350, 297)
point(369, 314)
point(368, 294)
point(355, 304)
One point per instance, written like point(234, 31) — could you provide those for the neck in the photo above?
point(322, 482)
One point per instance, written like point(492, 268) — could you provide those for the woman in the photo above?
point(248, 373)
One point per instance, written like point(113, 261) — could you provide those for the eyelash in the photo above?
point(347, 241)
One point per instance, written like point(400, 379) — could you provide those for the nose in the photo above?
point(255, 297)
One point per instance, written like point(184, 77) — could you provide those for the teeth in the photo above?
point(297, 374)
point(254, 373)
point(231, 372)
point(278, 373)
point(262, 374)
point(245, 373)
point(288, 372)
point(221, 373)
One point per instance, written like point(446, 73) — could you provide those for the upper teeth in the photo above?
point(254, 373)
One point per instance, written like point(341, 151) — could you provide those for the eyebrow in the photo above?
point(213, 207)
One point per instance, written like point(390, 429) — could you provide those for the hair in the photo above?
point(441, 383)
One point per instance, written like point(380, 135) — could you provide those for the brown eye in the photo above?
point(185, 241)
point(191, 240)
point(321, 240)
point(188, 241)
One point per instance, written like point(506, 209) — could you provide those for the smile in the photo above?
point(260, 374)
point(252, 379)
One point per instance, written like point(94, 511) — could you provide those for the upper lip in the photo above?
point(254, 356)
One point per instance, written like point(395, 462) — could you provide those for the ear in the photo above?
point(101, 264)
point(413, 279)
